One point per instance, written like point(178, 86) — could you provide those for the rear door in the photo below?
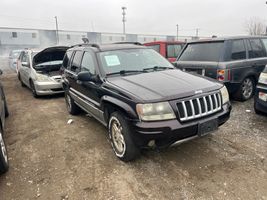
point(257, 56)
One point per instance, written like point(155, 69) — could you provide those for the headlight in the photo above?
point(42, 78)
point(155, 111)
point(263, 78)
point(225, 95)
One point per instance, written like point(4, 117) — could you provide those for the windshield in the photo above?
point(132, 60)
point(210, 51)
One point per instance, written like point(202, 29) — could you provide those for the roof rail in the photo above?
point(86, 44)
point(135, 43)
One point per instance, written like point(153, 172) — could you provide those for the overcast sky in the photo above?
point(212, 17)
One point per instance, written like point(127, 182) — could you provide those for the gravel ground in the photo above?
point(50, 159)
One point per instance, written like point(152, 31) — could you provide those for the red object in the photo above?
point(162, 48)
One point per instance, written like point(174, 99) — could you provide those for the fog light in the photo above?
point(262, 96)
point(151, 143)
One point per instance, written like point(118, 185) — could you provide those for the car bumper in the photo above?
point(48, 88)
point(260, 104)
point(165, 133)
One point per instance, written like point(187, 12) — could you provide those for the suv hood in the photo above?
point(50, 54)
point(163, 85)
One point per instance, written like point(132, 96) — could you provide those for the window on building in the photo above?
point(34, 35)
point(144, 39)
point(155, 39)
point(14, 34)
point(110, 38)
point(122, 38)
point(68, 37)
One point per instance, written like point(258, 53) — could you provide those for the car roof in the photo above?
point(164, 42)
point(108, 47)
point(219, 39)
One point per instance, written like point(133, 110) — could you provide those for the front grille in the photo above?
point(199, 107)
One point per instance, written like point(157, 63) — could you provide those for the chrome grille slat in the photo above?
point(205, 105)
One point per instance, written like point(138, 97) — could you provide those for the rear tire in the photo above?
point(3, 155)
point(246, 89)
point(120, 137)
point(73, 109)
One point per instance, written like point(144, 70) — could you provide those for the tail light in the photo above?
point(223, 75)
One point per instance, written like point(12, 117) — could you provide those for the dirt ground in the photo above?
point(50, 159)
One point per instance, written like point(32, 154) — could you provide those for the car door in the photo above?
point(25, 68)
point(89, 91)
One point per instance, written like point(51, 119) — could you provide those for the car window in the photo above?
point(264, 40)
point(210, 51)
point(257, 49)
point(88, 63)
point(238, 50)
point(156, 47)
point(75, 65)
point(25, 58)
point(66, 59)
point(131, 59)
point(173, 50)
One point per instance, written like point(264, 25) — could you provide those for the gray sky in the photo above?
point(212, 17)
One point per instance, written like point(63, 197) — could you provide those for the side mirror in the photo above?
point(1, 71)
point(84, 76)
point(25, 64)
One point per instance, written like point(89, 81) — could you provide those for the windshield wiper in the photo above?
point(123, 72)
point(155, 68)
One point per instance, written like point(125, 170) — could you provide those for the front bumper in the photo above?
point(168, 132)
point(48, 88)
point(259, 104)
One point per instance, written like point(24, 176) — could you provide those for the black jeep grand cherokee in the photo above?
point(140, 97)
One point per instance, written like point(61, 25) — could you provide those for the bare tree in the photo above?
point(255, 26)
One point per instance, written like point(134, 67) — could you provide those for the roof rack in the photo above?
point(135, 43)
point(86, 44)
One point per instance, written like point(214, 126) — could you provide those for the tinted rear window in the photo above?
point(238, 50)
point(210, 51)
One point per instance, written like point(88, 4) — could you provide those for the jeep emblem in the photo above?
point(198, 91)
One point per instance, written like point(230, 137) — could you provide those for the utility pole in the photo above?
point(57, 30)
point(177, 29)
point(123, 18)
point(197, 32)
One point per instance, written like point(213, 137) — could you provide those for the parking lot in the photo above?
point(50, 159)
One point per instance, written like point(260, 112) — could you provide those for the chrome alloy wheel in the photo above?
point(3, 147)
point(247, 88)
point(117, 137)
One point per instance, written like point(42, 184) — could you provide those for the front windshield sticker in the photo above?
point(112, 60)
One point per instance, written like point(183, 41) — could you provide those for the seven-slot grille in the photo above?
point(199, 107)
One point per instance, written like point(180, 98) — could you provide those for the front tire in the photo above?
point(120, 137)
point(3, 155)
point(246, 89)
point(73, 109)
point(34, 94)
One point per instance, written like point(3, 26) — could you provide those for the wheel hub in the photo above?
point(247, 88)
point(117, 136)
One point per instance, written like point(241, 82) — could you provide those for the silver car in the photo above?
point(40, 70)
point(13, 59)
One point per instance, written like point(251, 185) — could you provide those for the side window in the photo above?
point(238, 50)
point(264, 41)
point(257, 49)
point(173, 50)
point(75, 65)
point(155, 47)
point(25, 58)
point(66, 60)
point(88, 63)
